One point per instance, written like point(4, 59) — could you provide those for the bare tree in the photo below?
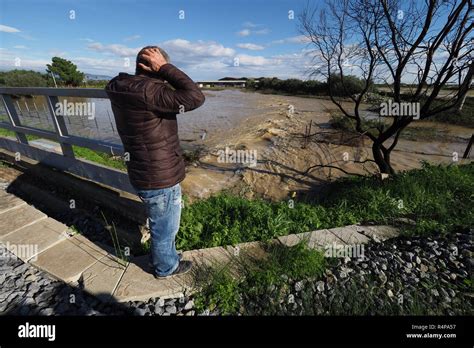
point(423, 44)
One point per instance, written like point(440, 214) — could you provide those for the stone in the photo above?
point(349, 235)
point(320, 286)
point(138, 284)
point(9, 202)
point(171, 309)
point(69, 258)
point(189, 305)
point(159, 310)
point(298, 286)
point(14, 219)
point(380, 232)
point(383, 277)
point(42, 234)
point(102, 278)
point(320, 239)
point(140, 311)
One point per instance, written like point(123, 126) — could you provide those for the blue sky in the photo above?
point(215, 35)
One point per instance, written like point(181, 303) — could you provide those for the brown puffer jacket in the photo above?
point(145, 111)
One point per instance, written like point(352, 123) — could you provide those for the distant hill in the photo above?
point(232, 78)
point(97, 77)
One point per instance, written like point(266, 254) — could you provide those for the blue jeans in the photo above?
point(163, 208)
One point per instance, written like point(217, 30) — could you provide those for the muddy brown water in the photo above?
point(272, 127)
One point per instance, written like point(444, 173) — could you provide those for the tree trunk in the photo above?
point(382, 159)
point(464, 88)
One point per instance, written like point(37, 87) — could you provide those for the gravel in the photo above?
point(394, 277)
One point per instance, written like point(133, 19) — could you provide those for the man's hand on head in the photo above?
point(154, 59)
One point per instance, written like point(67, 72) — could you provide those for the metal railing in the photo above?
point(66, 160)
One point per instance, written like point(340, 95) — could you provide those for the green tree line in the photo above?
point(352, 85)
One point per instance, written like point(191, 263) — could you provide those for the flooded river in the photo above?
point(273, 127)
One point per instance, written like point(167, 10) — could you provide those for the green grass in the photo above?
point(464, 118)
point(438, 198)
point(81, 152)
point(100, 157)
point(263, 280)
point(341, 122)
point(263, 287)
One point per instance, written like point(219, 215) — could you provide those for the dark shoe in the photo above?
point(183, 267)
point(150, 264)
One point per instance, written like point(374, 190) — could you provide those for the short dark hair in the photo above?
point(139, 70)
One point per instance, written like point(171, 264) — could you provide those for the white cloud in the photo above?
point(300, 39)
point(251, 46)
point(245, 32)
point(250, 25)
point(262, 31)
point(7, 29)
point(187, 52)
point(114, 49)
point(252, 30)
point(20, 47)
point(245, 59)
point(131, 38)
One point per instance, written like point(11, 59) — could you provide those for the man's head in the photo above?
point(138, 69)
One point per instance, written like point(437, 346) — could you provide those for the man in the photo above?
point(145, 109)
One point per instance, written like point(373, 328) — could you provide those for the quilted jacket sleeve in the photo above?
point(184, 96)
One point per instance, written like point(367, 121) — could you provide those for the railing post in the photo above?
point(60, 126)
point(13, 117)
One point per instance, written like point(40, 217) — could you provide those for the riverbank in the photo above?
point(284, 154)
point(403, 276)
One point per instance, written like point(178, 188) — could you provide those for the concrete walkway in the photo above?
point(52, 247)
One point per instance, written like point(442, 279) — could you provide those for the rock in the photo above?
point(298, 286)
point(389, 293)
point(435, 292)
point(140, 311)
point(46, 311)
point(383, 278)
point(171, 309)
point(320, 286)
point(159, 310)
point(189, 305)
point(423, 268)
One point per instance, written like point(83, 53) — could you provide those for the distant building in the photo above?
point(223, 83)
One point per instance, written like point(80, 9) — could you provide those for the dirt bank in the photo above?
point(284, 155)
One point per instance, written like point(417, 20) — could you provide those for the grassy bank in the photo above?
point(263, 280)
point(463, 118)
point(438, 198)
